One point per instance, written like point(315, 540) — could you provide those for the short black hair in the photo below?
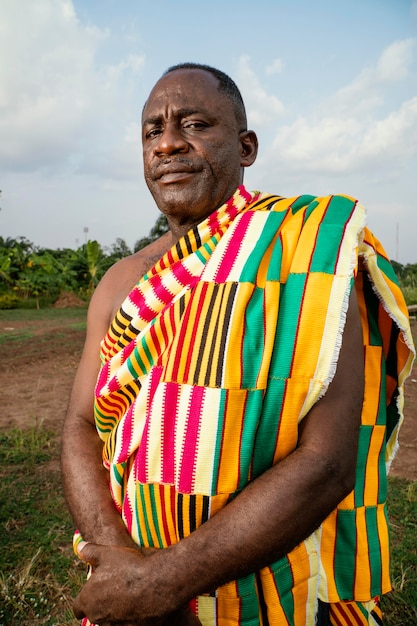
point(227, 86)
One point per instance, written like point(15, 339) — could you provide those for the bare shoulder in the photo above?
point(123, 275)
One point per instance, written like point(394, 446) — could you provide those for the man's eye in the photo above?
point(194, 125)
point(154, 132)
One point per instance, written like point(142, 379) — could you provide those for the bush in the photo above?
point(9, 301)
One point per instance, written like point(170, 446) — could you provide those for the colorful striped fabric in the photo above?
point(209, 366)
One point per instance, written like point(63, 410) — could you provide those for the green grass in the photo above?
point(39, 573)
point(72, 319)
point(29, 315)
point(400, 606)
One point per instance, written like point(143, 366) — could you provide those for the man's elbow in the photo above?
point(342, 475)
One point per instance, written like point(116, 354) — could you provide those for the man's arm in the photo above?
point(272, 515)
point(86, 481)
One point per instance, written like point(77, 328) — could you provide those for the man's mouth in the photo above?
point(174, 171)
point(174, 176)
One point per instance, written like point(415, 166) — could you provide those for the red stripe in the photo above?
point(233, 247)
point(189, 452)
point(200, 307)
point(167, 537)
point(126, 434)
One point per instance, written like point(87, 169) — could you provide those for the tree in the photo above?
point(160, 228)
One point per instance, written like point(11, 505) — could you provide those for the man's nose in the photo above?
point(171, 140)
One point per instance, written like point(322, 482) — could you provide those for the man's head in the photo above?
point(226, 86)
point(195, 142)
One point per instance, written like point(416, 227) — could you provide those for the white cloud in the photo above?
point(349, 132)
point(261, 107)
point(394, 63)
point(367, 91)
point(55, 97)
point(275, 67)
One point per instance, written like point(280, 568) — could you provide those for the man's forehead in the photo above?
point(183, 85)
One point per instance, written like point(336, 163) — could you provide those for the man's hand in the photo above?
point(121, 590)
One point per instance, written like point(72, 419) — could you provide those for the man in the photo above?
point(236, 444)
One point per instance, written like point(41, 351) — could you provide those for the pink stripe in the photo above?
point(126, 434)
point(145, 312)
point(141, 460)
point(127, 511)
point(189, 451)
point(161, 292)
point(233, 248)
point(181, 273)
point(170, 412)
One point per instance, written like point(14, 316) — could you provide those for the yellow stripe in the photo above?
point(206, 446)
point(373, 356)
point(290, 233)
point(362, 573)
point(327, 551)
point(271, 295)
point(276, 615)
point(232, 378)
point(229, 457)
point(383, 533)
point(307, 239)
point(371, 470)
point(228, 605)
point(310, 336)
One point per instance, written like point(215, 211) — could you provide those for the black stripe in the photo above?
point(377, 618)
point(179, 516)
point(225, 329)
point(206, 509)
point(203, 339)
point(188, 244)
point(193, 513)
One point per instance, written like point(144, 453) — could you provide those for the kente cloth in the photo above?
point(350, 614)
point(209, 366)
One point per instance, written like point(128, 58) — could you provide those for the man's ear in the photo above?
point(248, 147)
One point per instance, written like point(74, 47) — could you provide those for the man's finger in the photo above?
point(89, 552)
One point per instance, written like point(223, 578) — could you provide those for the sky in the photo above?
point(330, 88)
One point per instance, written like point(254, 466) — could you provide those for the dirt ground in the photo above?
point(36, 377)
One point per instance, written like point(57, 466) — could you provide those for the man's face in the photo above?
point(193, 149)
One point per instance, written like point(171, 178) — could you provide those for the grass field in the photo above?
point(38, 571)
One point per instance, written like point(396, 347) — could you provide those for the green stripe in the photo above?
point(266, 436)
point(249, 607)
point(304, 201)
point(271, 227)
point(344, 562)
point(132, 369)
point(290, 306)
point(285, 581)
point(147, 352)
point(330, 234)
point(253, 410)
point(155, 516)
point(148, 541)
point(387, 269)
point(217, 451)
point(254, 339)
point(365, 434)
point(374, 550)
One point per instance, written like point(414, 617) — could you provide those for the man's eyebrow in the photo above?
point(179, 113)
